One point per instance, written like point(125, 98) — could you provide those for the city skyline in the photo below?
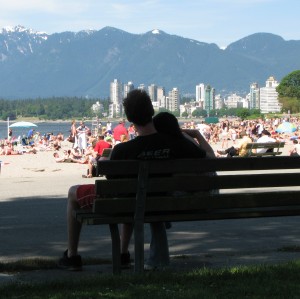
point(212, 21)
point(264, 98)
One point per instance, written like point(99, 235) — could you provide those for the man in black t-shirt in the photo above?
point(148, 145)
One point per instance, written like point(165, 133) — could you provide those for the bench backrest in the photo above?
point(275, 146)
point(257, 145)
point(236, 177)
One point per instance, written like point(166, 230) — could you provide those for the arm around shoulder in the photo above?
point(201, 141)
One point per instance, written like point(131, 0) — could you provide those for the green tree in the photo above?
point(290, 85)
point(199, 113)
point(289, 92)
point(184, 114)
point(161, 109)
point(176, 113)
point(242, 112)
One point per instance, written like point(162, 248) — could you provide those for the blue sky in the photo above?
point(212, 21)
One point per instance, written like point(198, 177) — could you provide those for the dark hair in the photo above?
point(265, 132)
point(138, 107)
point(167, 123)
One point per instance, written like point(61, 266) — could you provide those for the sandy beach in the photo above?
point(39, 175)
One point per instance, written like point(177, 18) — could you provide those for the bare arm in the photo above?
point(203, 144)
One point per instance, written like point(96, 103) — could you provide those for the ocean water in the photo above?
point(50, 127)
point(44, 128)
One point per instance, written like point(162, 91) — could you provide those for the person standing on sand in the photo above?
point(73, 133)
point(10, 132)
point(82, 137)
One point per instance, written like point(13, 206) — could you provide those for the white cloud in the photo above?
point(28, 5)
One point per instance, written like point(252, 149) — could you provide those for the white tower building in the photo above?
point(174, 100)
point(269, 97)
point(116, 97)
point(200, 94)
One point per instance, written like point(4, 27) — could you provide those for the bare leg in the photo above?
point(74, 227)
point(90, 167)
point(126, 233)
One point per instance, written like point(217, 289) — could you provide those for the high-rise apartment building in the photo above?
point(142, 87)
point(234, 101)
point(254, 96)
point(209, 100)
point(200, 92)
point(116, 97)
point(152, 91)
point(173, 101)
point(269, 97)
point(161, 96)
point(219, 102)
point(127, 88)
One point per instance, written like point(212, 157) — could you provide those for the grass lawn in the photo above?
point(264, 281)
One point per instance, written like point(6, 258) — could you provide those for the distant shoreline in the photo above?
point(53, 121)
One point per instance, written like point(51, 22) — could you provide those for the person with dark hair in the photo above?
point(265, 138)
point(295, 151)
point(148, 145)
point(167, 123)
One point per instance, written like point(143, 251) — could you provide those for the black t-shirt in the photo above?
point(156, 146)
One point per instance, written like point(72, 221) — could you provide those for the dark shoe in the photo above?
point(72, 263)
point(168, 225)
point(148, 267)
point(125, 260)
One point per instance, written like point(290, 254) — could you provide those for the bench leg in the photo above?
point(116, 248)
point(139, 247)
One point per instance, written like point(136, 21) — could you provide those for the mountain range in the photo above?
point(36, 64)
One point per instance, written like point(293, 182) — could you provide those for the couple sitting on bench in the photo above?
point(150, 144)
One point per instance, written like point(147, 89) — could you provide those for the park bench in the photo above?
point(275, 146)
point(248, 187)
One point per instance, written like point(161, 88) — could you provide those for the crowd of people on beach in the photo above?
point(232, 134)
point(31, 143)
point(82, 140)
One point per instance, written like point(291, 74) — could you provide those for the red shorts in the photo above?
point(86, 196)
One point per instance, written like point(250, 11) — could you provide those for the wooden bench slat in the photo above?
point(265, 154)
point(199, 202)
point(225, 214)
point(257, 145)
point(127, 169)
point(104, 188)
